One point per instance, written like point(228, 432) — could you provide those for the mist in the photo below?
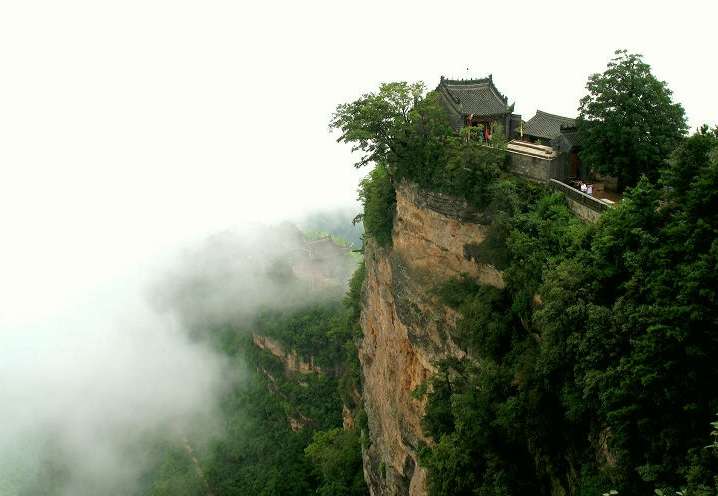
point(232, 275)
point(87, 389)
point(85, 394)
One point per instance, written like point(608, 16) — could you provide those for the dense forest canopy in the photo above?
point(597, 360)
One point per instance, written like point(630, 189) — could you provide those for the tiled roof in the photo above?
point(547, 126)
point(474, 96)
point(568, 140)
point(571, 135)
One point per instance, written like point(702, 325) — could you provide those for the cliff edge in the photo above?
point(406, 329)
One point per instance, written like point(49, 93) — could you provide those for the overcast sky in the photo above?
point(127, 127)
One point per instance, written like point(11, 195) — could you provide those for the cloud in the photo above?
point(226, 279)
point(83, 396)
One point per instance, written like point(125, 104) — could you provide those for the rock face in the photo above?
point(406, 329)
point(291, 359)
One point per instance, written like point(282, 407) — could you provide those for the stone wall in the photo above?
point(584, 206)
point(582, 211)
point(537, 168)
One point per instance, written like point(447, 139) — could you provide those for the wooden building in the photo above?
point(477, 103)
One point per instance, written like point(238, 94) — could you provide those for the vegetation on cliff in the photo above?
point(596, 367)
point(378, 198)
point(593, 370)
point(406, 135)
point(261, 453)
point(280, 428)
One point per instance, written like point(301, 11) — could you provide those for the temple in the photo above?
point(560, 133)
point(477, 103)
point(544, 127)
point(544, 149)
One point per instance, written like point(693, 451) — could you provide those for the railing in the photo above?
point(579, 196)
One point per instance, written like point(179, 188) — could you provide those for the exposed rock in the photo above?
point(348, 422)
point(406, 329)
point(436, 233)
point(291, 359)
point(604, 454)
point(298, 423)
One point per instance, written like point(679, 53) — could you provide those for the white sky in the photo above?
point(127, 127)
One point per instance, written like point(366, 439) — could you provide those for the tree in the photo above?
point(336, 458)
point(371, 122)
point(378, 197)
point(628, 124)
point(403, 133)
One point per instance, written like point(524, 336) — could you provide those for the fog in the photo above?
point(85, 388)
point(131, 133)
point(87, 393)
point(232, 275)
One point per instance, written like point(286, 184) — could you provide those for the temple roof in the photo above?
point(547, 126)
point(474, 96)
point(568, 140)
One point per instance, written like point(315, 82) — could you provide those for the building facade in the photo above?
point(478, 103)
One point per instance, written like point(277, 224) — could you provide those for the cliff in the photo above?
point(406, 329)
point(291, 359)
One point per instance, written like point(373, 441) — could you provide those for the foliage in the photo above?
point(479, 415)
point(333, 454)
point(420, 144)
point(247, 459)
point(315, 331)
point(353, 298)
point(258, 452)
point(377, 195)
point(407, 135)
point(429, 154)
point(628, 124)
point(372, 122)
point(597, 360)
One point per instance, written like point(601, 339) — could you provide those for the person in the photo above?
point(583, 187)
point(589, 189)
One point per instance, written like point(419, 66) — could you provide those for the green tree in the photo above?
point(372, 122)
point(336, 457)
point(628, 123)
point(597, 358)
point(376, 192)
